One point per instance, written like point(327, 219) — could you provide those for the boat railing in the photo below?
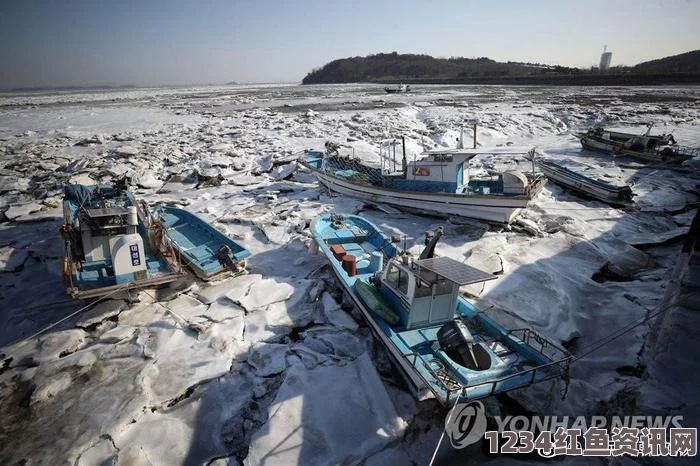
point(687, 150)
point(546, 347)
point(551, 370)
point(524, 378)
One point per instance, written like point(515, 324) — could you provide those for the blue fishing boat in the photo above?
point(205, 250)
point(110, 244)
point(438, 182)
point(444, 346)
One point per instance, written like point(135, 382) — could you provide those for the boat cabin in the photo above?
point(425, 291)
point(110, 242)
point(448, 171)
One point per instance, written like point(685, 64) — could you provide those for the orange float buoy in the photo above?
point(350, 265)
point(338, 251)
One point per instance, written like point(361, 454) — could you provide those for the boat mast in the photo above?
point(473, 122)
point(404, 165)
point(532, 153)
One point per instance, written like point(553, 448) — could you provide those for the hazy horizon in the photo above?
point(78, 43)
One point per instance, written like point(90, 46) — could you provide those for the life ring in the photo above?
point(617, 149)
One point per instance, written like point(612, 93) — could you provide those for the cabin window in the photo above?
point(403, 281)
point(393, 276)
point(443, 157)
point(421, 171)
point(398, 278)
point(423, 289)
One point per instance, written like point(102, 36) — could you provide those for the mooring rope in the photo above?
point(588, 350)
point(442, 435)
point(73, 314)
point(625, 329)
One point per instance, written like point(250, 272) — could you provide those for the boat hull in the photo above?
point(618, 150)
point(613, 195)
point(419, 389)
point(492, 208)
point(198, 243)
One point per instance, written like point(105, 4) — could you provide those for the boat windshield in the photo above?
point(398, 278)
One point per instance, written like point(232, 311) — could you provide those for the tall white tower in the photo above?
point(605, 59)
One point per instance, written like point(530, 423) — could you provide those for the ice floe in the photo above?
point(273, 366)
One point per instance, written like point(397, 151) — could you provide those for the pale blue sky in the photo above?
point(73, 42)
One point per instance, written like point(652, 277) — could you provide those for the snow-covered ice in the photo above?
point(273, 367)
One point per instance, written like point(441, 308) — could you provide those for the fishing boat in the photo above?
point(205, 250)
point(608, 193)
point(444, 347)
point(652, 139)
point(437, 183)
point(401, 88)
point(645, 146)
point(109, 244)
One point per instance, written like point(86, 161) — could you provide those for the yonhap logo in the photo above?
point(467, 424)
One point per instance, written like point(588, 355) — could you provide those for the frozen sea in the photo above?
point(283, 371)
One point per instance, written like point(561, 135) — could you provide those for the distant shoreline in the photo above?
point(131, 87)
point(393, 68)
point(556, 80)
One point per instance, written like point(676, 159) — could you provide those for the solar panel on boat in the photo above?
point(457, 272)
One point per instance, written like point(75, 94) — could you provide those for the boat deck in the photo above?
point(196, 245)
point(432, 363)
point(98, 271)
point(361, 250)
point(197, 240)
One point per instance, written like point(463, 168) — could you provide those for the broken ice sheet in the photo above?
point(303, 427)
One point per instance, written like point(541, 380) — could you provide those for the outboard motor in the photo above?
point(224, 258)
point(457, 342)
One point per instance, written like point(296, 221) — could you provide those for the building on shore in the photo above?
point(605, 59)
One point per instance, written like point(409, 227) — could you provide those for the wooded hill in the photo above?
point(413, 68)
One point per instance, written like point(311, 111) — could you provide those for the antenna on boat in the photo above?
point(404, 164)
point(532, 153)
point(473, 122)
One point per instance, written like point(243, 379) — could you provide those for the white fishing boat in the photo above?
point(620, 196)
point(646, 146)
point(437, 182)
point(111, 244)
point(401, 88)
